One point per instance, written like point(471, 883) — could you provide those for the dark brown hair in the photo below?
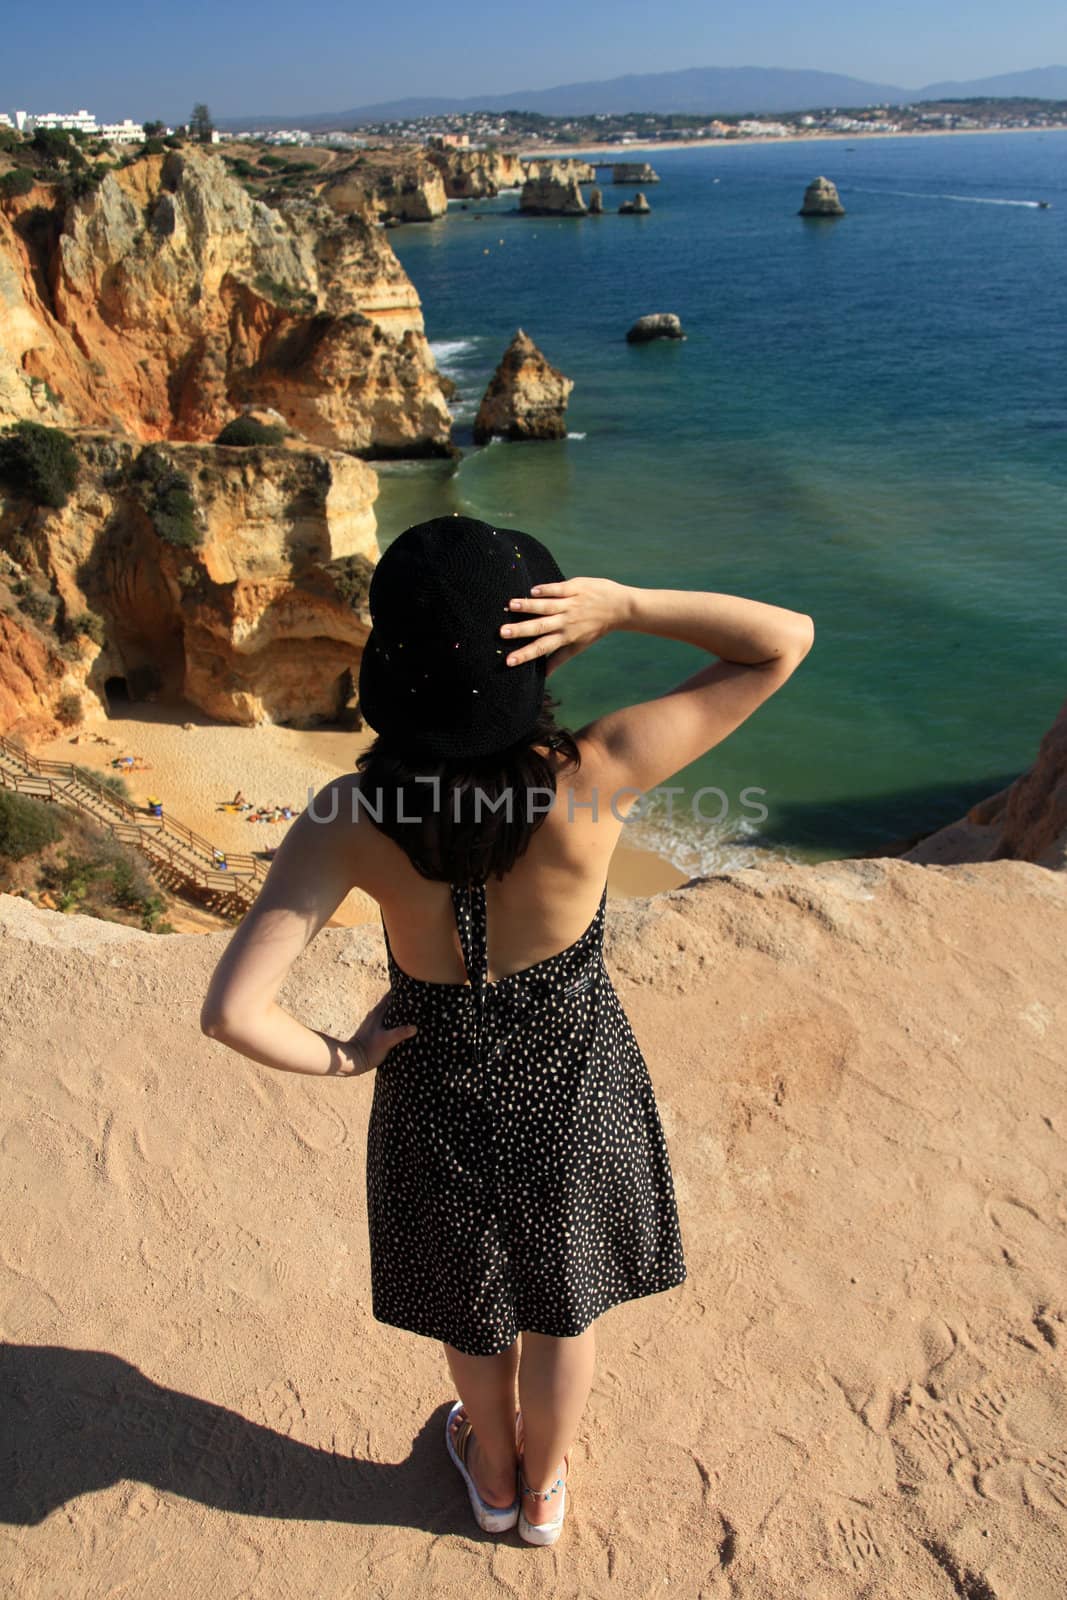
point(461, 829)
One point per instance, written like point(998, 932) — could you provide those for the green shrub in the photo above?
point(91, 625)
point(17, 181)
point(39, 463)
point(167, 496)
point(39, 607)
point(77, 185)
point(172, 142)
point(69, 708)
point(10, 139)
point(26, 825)
point(274, 162)
point(54, 146)
point(351, 578)
point(153, 147)
point(247, 431)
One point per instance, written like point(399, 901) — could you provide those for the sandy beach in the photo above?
point(626, 152)
point(195, 769)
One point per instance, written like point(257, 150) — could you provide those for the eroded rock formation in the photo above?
point(821, 200)
point(559, 196)
point(561, 168)
point(478, 174)
point(526, 398)
point(167, 298)
point(1027, 821)
point(633, 172)
point(659, 325)
point(637, 206)
point(412, 190)
point(596, 202)
point(233, 577)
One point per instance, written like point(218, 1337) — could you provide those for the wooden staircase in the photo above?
point(184, 862)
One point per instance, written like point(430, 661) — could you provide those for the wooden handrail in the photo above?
point(160, 838)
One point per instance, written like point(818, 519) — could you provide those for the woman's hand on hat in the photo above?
point(371, 1043)
point(561, 619)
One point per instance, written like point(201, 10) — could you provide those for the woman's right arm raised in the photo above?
point(758, 646)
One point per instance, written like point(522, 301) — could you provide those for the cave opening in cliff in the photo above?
point(137, 683)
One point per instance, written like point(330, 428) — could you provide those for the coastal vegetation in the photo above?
point(167, 496)
point(38, 462)
point(67, 862)
point(248, 431)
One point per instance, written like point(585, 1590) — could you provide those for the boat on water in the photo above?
point(1043, 205)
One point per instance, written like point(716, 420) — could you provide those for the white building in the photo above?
point(81, 121)
point(125, 132)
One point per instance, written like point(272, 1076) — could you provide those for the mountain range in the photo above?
point(714, 91)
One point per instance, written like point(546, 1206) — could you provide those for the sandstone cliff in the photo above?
point(235, 578)
point(526, 398)
point(477, 174)
point(554, 194)
point(821, 199)
point(859, 1389)
point(561, 169)
point(412, 189)
point(1027, 821)
point(633, 172)
point(167, 298)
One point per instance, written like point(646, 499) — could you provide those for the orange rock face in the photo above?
point(168, 298)
point(32, 677)
point(526, 397)
point(252, 606)
point(1027, 821)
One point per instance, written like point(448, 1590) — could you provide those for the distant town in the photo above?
point(515, 130)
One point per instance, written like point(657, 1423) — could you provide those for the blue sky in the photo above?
point(124, 59)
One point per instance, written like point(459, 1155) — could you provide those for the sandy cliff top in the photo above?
point(859, 1389)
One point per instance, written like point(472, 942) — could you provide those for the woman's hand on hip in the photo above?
point(371, 1043)
point(560, 619)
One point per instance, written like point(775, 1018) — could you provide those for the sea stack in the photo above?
point(526, 397)
point(557, 194)
point(821, 200)
point(633, 172)
point(659, 325)
point(596, 202)
point(638, 205)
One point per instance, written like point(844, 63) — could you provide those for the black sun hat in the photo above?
point(434, 678)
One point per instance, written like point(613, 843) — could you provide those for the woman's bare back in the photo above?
point(540, 907)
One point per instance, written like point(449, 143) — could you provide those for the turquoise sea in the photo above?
point(867, 422)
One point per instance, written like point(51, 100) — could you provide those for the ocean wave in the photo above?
point(701, 849)
point(445, 351)
point(577, 436)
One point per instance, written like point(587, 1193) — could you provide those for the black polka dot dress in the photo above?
point(517, 1171)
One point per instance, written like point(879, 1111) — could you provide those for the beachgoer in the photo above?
point(518, 1177)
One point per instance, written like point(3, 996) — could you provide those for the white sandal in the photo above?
point(543, 1532)
point(491, 1519)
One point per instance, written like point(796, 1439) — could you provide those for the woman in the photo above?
point(518, 1182)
